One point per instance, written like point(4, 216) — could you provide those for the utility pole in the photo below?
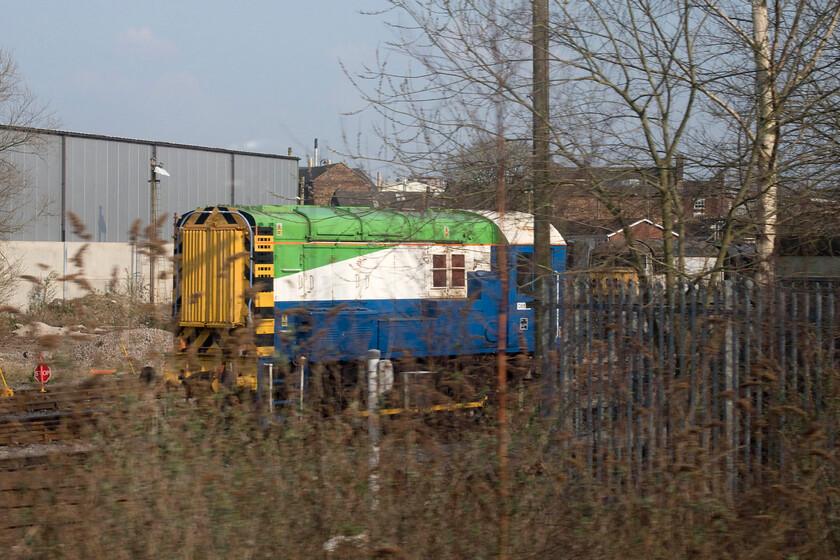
point(545, 311)
point(156, 169)
point(152, 231)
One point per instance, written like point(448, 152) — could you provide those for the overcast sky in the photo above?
point(256, 75)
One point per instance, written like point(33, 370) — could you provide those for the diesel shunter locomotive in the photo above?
point(276, 284)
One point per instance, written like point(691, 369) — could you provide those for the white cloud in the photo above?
point(248, 146)
point(143, 43)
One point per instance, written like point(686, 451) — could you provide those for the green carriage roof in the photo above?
point(331, 223)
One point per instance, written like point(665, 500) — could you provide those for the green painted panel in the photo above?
point(296, 225)
point(329, 222)
point(385, 224)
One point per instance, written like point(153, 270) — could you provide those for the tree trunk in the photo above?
point(545, 309)
point(766, 126)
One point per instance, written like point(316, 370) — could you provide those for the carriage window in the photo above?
point(459, 274)
point(439, 271)
point(449, 271)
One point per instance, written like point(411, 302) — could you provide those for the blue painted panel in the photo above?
point(345, 330)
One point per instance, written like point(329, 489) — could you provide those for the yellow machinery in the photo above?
point(6, 392)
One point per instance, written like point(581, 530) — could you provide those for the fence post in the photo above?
point(373, 356)
point(729, 387)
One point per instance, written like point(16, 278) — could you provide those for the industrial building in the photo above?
point(108, 185)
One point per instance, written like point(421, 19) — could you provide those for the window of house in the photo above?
point(449, 271)
point(699, 207)
point(659, 267)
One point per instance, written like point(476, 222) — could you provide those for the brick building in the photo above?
point(320, 184)
point(589, 200)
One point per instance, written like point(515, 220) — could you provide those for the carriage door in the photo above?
point(521, 309)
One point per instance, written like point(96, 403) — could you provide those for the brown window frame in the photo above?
point(449, 271)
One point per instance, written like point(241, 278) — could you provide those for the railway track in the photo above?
point(43, 446)
point(59, 414)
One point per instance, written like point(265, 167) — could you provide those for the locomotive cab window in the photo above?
point(449, 274)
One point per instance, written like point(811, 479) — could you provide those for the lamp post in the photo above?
point(157, 169)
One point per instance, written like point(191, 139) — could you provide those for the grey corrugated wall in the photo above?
point(105, 182)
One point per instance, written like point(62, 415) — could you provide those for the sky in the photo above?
point(254, 75)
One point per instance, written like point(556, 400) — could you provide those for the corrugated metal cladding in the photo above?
point(105, 182)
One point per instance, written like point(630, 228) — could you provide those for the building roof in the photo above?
point(656, 247)
point(355, 198)
point(637, 222)
point(309, 174)
point(410, 186)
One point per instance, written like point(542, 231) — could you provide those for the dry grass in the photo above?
point(169, 479)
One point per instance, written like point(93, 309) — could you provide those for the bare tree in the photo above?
point(469, 172)
point(631, 68)
point(21, 120)
point(743, 94)
point(779, 121)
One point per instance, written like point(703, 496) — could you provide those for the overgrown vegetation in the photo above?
point(218, 477)
point(112, 310)
point(165, 479)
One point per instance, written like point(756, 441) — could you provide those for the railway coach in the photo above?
point(274, 284)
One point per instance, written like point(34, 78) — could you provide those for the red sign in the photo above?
point(42, 373)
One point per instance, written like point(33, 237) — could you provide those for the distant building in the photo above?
point(587, 199)
point(613, 258)
point(588, 202)
point(321, 183)
point(432, 187)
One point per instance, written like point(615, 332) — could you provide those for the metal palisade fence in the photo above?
point(730, 383)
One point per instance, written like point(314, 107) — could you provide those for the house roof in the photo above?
point(656, 247)
point(309, 174)
point(355, 199)
point(636, 223)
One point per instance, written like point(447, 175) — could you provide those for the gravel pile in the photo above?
point(144, 346)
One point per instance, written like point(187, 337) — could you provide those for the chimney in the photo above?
point(379, 179)
point(316, 152)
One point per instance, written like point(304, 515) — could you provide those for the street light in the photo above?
point(157, 169)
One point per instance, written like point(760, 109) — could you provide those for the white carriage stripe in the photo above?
point(400, 272)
